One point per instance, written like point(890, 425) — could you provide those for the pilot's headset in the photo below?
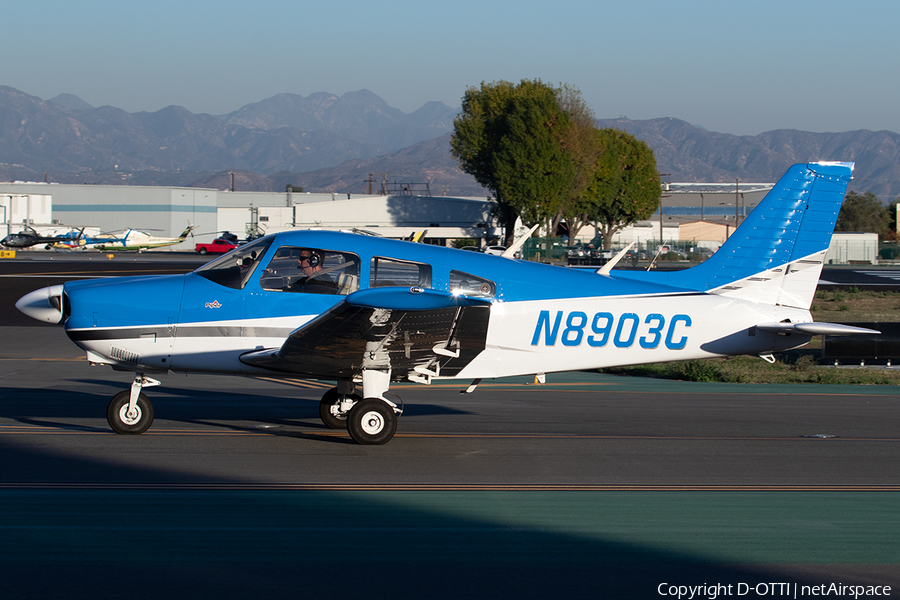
point(315, 258)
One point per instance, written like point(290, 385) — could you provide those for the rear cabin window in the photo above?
point(391, 272)
point(471, 285)
point(311, 271)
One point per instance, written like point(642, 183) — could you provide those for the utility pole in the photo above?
point(737, 200)
point(666, 188)
point(661, 241)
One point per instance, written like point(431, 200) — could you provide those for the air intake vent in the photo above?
point(125, 356)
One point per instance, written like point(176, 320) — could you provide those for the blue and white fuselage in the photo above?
point(542, 318)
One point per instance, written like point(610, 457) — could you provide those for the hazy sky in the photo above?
point(732, 67)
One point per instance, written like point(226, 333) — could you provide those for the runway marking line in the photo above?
point(451, 386)
point(440, 487)
point(287, 431)
point(37, 359)
point(93, 274)
point(304, 383)
point(446, 386)
point(314, 384)
point(551, 386)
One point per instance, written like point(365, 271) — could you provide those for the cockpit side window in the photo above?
point(471, 285)
point(234, 269)
point(389, 271)
point(311, 271)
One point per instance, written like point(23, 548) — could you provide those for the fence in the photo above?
point(545, 249)
point(889, 252)
point(843, 251)
point(556, 250)
point(858, 348)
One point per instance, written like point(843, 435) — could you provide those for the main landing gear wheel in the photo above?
point(134, 422)
point(372, 422)
point(330, 409)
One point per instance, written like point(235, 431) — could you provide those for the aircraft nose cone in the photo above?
point(44, 304)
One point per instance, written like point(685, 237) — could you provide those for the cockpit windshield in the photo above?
point(234, 269)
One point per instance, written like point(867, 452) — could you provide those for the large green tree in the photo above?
point(891, 232)
point(625, 188)
point(583, 148)
point(512, 138)
point(862, 212)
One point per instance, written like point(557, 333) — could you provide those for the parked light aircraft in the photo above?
point(129, 239)
point(367, 311)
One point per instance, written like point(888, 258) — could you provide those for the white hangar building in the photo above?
point(169, 209)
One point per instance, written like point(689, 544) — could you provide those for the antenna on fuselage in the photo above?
point(605, 269)
point(516, 245)
point(658, 253)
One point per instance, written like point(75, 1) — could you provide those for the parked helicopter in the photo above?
point(128, 239)
point(29, 237)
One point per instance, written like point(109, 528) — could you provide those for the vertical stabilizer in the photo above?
point(777, 253)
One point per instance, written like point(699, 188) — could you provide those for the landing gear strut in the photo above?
point(130, 411)
point(373, 420)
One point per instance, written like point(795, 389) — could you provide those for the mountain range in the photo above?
point(329, 143)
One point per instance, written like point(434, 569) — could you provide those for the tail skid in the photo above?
point(777, 254)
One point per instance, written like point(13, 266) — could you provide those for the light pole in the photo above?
point(661, 196)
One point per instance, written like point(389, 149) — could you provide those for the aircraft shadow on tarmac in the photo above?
point(189, 406)
point(205, 542)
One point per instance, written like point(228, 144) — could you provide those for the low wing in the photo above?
point(416, 333)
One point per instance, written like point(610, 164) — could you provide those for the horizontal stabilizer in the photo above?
point(816, 329)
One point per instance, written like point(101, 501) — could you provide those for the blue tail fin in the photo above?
point(777, 253)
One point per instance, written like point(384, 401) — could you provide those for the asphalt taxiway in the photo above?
point(578, 429)
point(519, 489)
point(588, 486)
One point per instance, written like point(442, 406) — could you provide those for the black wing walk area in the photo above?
point(414, 332)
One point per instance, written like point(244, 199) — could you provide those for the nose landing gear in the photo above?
point(130, 412)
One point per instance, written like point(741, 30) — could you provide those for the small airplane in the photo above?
point(129, 239)
point(367, 311)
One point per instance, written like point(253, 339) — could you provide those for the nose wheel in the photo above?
point(126, 419)
point(130, 411)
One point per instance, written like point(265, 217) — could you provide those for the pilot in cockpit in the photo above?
point(314, 278)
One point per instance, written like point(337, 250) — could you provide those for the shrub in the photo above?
point(700, 370)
